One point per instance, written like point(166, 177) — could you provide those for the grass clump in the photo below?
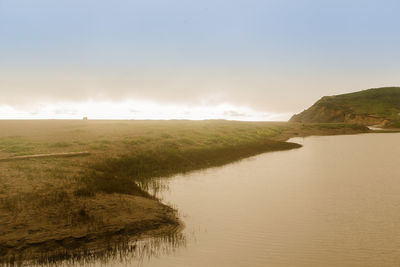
point(108, 183)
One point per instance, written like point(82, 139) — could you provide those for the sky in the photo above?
point(186, 59)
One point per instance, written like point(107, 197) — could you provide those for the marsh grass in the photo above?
point(133, 153)
point(16, 145)
point(60, 144)
point(119, 248)
point(127, 155)
point(65, 208)
point(132, 173)
point(19, 146)
point(128, 159)
point(37, 200)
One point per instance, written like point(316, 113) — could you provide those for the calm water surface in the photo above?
point(333, 202)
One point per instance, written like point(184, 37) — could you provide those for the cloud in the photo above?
point(267, 56)
point(233, 113)
point(141, 110)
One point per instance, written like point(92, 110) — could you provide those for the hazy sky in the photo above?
point(243, 59)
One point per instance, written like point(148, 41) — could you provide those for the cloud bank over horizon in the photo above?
point(137, 110)
point(270, 58)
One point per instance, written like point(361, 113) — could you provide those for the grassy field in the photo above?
point(183, 145)
point(106, 191)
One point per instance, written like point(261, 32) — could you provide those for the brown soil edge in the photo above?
point(94, 245)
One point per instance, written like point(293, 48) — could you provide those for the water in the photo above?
point(333, 202)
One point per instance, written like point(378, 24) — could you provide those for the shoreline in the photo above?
point(140, 217)
point(133, 213)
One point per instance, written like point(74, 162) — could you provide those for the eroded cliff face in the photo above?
point(366, 120)
point(318, 114)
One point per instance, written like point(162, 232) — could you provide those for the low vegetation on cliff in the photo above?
point(368, 107)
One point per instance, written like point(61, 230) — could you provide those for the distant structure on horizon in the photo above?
point(85, 118)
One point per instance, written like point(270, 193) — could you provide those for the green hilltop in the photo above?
point(369, 107)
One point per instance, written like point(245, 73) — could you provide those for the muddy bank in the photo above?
point(89, 227)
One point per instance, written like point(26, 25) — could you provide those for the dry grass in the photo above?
point(55, 198)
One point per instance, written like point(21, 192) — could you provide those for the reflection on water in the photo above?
point(117, 250)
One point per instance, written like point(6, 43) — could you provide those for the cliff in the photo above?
point(377, 106)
